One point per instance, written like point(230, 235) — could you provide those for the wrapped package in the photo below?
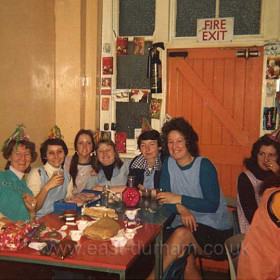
point(103, 229)
point(13, 236)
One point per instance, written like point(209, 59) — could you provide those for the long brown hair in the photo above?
point(73, 170)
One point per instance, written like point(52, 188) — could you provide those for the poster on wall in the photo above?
point(107, 48)
point(138, 45)
point(269, 118)
point(155, 108)
point(106, 86)
point(139, 95)
point(273, 67)
point(121, 47)
point(105, 103)
point(120, 95)
point(107, 65)
point(120, 140)
point(271, 86)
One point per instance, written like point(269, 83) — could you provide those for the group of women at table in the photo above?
point(169, 161)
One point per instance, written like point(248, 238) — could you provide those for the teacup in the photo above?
point(76, 234)
point(118, 241)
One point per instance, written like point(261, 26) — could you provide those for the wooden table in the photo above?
point(97, 255)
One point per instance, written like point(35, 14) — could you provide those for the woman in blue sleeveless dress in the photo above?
point(191, 190)
point(50, 183)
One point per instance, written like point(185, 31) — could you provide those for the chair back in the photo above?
point(233, 246)
point(232, 209)
point(176, 269)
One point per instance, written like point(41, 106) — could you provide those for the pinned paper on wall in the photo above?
point(107, 65)
point(138, 95)
point(107, 48)
point(105, 103)
point(120, 141)
point(121, 95)
point(155, 108)
point(138, 45)
point(106, 82)
point(122, 46)
point(269, 118)
point(106, 86)
point(271, 86)
point(273, 67)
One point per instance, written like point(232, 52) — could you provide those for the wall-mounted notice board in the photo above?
point(128, 116)
point(132, 69)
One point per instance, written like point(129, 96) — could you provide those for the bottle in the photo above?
point(130, 195)
point(105, 196)
point(154, 68)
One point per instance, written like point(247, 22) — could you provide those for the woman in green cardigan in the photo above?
point(16, 199)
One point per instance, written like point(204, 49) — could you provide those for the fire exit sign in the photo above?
point(212, 30)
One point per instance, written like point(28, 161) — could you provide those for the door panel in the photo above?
point(220, 95)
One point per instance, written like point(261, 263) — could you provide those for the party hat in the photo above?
point(18, 134)
point(55, 133)
point(145, 125)
point(275, 135)
point(101, 135)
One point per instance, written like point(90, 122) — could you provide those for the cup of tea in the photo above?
point(58, 171)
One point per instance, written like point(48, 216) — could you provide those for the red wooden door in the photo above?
point(220, 95)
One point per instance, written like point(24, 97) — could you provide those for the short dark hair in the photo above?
point(52, 142)
point(149, 135)
point(183, 126)
point(265, 140)
point(10, 147)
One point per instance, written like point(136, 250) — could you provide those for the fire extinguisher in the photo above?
point(154, 68)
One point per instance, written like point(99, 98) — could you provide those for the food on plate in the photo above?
point(82, 198)
point(99, 212)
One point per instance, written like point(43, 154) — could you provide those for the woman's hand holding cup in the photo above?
point(56, 180)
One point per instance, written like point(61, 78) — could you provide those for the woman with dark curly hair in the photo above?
point(264, 162)
point(110, 169)
point(16, 199)
point(81, 164)
point(191, 190)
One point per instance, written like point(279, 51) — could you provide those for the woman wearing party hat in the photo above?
point(50, 182)
point(19, 153)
